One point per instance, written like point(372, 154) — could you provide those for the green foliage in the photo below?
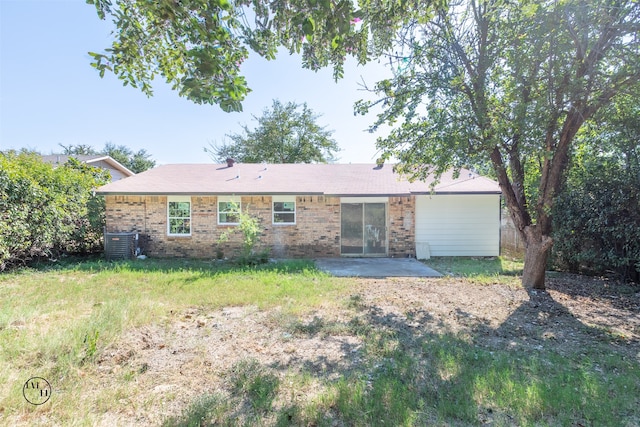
point(506, 84)
point(194, 45)
point(249, 227)
point(475, 82)
point(597, 216)
point(45, 211)
point(136, 162)
point(222, 239)
point(198, 46)
point(283, 135)
point(597, 222)
point(78, 149)
point(90, 345)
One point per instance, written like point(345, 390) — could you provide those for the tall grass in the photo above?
point(54, 321)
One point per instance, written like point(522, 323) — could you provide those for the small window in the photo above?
point(179, 216)
point(284, 211)
point(229, 212)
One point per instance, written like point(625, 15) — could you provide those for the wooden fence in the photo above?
point(510, 241)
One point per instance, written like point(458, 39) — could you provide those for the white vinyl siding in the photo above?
point(459, 225)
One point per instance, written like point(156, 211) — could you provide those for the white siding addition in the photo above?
point(459, 225)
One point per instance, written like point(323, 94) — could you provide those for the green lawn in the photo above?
point(479, 269)
point(56, 322)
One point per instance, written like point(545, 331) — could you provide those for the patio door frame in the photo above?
point(364, 201)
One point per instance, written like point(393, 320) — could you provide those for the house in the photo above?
point(115, 168)
point(307, 210)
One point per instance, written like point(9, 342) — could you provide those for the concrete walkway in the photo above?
point(375, 267)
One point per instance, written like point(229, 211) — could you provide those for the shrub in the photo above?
point(597, 220)
point(47, 210)
point(250, 229)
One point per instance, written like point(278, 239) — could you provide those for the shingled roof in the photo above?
point(292, 179)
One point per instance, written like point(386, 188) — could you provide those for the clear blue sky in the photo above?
point(49, 95)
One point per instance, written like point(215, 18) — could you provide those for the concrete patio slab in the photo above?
point(375, 267)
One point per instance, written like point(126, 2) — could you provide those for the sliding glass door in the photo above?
point(364, 229)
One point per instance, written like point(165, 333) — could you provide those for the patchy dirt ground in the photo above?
point(193, 352)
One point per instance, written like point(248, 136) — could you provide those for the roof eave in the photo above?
point(205, 193)
point(113, 162)
point(288, 193)
point(449, 193)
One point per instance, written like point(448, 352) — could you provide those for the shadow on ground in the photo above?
point(417, 365)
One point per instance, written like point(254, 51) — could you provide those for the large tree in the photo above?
point(510, 83)
point(285, 133)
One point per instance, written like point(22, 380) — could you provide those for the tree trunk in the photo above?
point(536, 254)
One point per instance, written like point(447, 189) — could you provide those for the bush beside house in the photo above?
point(46, 210)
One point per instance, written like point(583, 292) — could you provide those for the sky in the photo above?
point(50, 95)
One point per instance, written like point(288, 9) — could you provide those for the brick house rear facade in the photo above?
point(316, 233)
point(323, 211)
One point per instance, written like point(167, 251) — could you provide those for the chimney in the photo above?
point(230, 162)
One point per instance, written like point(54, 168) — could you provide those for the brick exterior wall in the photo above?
point(316, 233)
point(402, 226)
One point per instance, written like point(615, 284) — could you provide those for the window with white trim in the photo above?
point(284, 210)
point(229, 209)
point(178, 216)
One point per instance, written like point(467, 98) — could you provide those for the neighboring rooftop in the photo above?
point(98, 160)
point(61, 159)
point(293, 179)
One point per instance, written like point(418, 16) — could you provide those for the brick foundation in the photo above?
point(316, 233)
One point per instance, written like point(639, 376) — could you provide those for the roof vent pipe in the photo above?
point(230, 162)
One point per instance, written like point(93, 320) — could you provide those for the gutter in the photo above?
point(289, 193)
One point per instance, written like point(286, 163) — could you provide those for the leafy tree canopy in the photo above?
point(285, 133)
point(136, 162)
point(198, 46)
point(507, 84)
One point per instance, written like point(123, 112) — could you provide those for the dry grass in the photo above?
point(191, 343)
